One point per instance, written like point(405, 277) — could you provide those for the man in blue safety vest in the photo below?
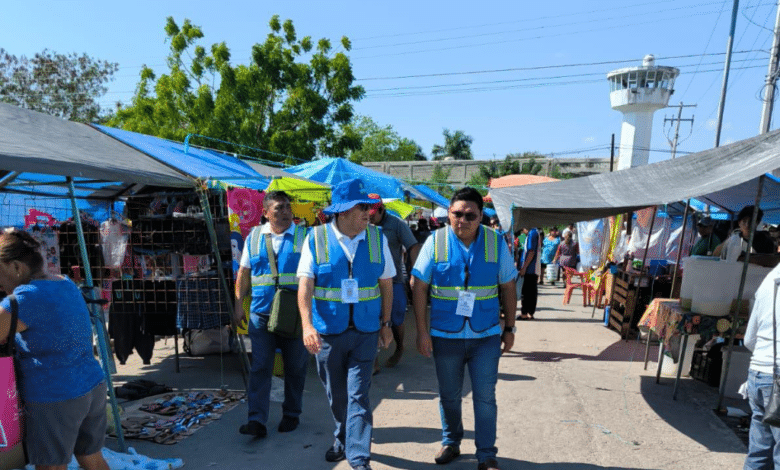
point(255, 276)
point(345, 295)
point(466, 265)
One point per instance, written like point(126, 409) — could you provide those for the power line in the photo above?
point(521, 79)
point(496, 33)
point(601, 28)
point(509, 22)
point(498, 88)
point(544, 67)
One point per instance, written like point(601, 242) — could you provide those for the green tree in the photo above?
point(439, 180)
point(63, 85)
point(456, 145)
point(293, 98)
point(381, 143)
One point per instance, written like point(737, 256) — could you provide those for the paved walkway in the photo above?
point(571, 396)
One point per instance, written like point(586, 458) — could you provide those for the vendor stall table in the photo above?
point(667, 319)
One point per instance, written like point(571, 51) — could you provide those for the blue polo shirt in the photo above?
point(55, 351)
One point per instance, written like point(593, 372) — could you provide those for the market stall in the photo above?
point(731, 177)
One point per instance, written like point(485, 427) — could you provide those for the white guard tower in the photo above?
point(638, 92)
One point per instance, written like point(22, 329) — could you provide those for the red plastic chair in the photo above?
point(572, 283)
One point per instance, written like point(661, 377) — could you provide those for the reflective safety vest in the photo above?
point(263, 282)
point(329, 314)
point(449, 278)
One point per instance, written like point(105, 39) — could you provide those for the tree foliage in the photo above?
point(514, 164)
point(440, 180)
point(381, 143)
point(456, 145)
point(63, 85)
point(293, 98)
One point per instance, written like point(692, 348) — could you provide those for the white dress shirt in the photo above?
point(276, 242)
point(349, 245)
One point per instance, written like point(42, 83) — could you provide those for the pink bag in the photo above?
point(10, 422)
point(10, 404)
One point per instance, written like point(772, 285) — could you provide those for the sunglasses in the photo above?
point(469, 216)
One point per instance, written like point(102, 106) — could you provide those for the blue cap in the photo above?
point(346, 195)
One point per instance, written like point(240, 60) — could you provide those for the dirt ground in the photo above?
point(571, 396)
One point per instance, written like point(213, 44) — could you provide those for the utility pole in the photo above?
point(771, 77)
point(726, 69)
point(678, 119)
point(612, 154)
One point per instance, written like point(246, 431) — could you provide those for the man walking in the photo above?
point(466, 265)
point(399, 236)
point(255, 277)
point(530, 275)
point(345, 294)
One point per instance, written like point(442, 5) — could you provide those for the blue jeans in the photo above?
point(345, 364)
point(295, 358)
point(481, 355)
point(763, 448)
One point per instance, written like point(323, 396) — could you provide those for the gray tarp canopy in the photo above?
point(38, 143)
point(726, 176)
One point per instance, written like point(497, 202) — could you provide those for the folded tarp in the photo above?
point(726, 176)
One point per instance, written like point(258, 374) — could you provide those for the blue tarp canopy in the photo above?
point(195, 162)
point(335, 170)
point(433, 196)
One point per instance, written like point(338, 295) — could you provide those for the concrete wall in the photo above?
point(462, 170)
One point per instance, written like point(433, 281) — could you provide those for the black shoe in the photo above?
point(489, 464)
point(335, 453)
point(447, 454)
point(288, 424)
point(253, 428)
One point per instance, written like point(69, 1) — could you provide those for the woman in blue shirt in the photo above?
point(549, 247)
point(61, 383)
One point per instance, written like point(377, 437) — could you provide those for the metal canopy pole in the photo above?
point(206, 207)
point(733, 329)
point(649, 235)
point(97, 318)
point(679, 250)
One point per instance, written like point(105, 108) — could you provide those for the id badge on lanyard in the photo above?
point(465, 307)
point(349, 289)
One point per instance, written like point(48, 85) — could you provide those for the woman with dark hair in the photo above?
point(61, 383)
point(737, 243)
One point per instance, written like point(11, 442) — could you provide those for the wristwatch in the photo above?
point(510, 329)
point(388, 324)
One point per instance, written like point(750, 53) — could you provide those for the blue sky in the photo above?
point(515, 75)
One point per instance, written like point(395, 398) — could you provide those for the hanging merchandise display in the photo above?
point(113, 239)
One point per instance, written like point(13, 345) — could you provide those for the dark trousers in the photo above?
point(295, 358)
point(530, 293)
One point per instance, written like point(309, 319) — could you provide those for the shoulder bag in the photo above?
point(285, 319)
point(772, 408)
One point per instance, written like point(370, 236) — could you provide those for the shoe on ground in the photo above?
point(393, 360)
point(253, 428)
point(335, 453)
point(362, 467)
point(288, 424)
point(489, 464)
point(447, 454)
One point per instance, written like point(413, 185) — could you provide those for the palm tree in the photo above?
point(456, 145)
